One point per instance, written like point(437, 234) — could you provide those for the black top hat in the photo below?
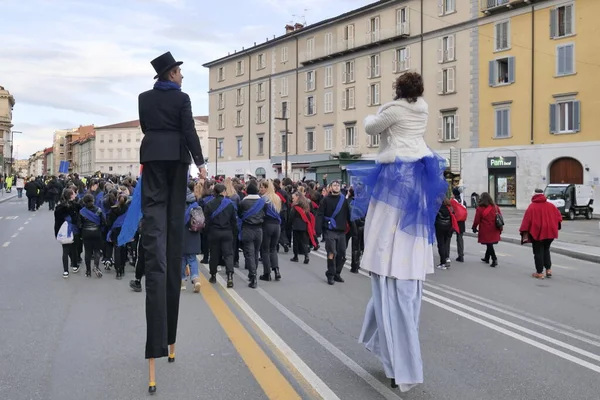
point(164, 63)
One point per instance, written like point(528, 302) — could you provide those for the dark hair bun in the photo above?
point(409, 86)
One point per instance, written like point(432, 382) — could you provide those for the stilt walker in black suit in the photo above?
point(169, 138)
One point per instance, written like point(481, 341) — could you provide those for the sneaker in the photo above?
point(197, 285)
point(75, 270)
point(183, 285)
point(65, 275)
point(442, 266)
point(135, 285)
point(88, 274)
point(219, 268)
point(97, 272)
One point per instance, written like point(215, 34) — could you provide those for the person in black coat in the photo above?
point(31, 191)
point(169, 137)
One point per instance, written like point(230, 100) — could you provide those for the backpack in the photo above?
point(197, 220)
point(64, 236)
point(460, 211)
point(443, 223)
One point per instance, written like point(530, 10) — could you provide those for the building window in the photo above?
point(239, 68)
point(260, 61)
point(260, 92)
point(402, 60)
point(239, 97)
point(565, 59)
point(350, 136)
point(502, 71)
point(328, 43)
point(283, 142)
point(221, 121)
point(240, 146)
point(373, 70)
point(374, 29)
point(284, 54)
point(502, 122)
point(446, 7)
point(402, 21)
point(328, 145)
point(349, 36)
point(310, 141)
point(328, 103)
point(446, 49)
point(374, 140)
point(260, 115)
point(221, 74)
point(311, 81)
point(502, 36)
point(239, 118)
point(565, 117)
point(329, 76)
point(220, 148)
point(284, 109)
point(448, 127)
point(110, 169)
point(284, 87)
point(310, 48)
point(348, 99)
point(562, 21)
point(261, 145)
point(221, 101)
point(446, 83)
point(348, 72)
point(373, 95)
point(310, 107)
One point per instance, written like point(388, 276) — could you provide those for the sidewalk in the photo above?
point(7, 196)
point(579, 238)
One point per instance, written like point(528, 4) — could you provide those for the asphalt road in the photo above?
point(487, 333)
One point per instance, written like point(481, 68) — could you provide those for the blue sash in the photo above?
point(188, 211)
point(80, 196)
point(90, 215)
point(221, 207)
point(356, 213)
point(98, 201)
point(260, 203)
point(134, 216)
point(72, 228)
point(117, 224)
point(331, 220)
point(206, 199)
point(272, 213)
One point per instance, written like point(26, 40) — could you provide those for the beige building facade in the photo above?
point(7, 102)
point(327, 77)
point(59, 154)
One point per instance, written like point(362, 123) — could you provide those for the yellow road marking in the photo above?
point(270, 379)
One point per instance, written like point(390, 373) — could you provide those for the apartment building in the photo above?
point(36, 163)
point(7, 102)
point(538, 119)
point(87, 155)
point(59, 148)
point(324, 79)
point(48, 163)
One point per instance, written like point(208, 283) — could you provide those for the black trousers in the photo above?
point(93, 248)
point(221, 248)
point(335, 243)
point(300, 243)
point(270, 240)
point(69, 251)
point(252, 236)
point(443, 238)
point(140, 261)
point(541, 254)
point(31, 203)
point(490, 252)
point(164, 185)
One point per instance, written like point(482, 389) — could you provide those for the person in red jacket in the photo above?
point(484, 225)
point(540, 226)
point(460, 212)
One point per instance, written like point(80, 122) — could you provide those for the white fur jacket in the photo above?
point(402, 128)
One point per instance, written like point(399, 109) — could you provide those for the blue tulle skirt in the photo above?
point(415, 188)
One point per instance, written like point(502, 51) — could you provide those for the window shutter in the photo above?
point(451, 48)
point(377, 93)
point(370, 68)
point(369, 99)
point(351, 77)
point(450, 83)
point(492, 73)
point(344, 101)
point(507, 33)
point(577, 116)
point(511, 69)
point(553, 110)
point(440, 7)
point(396, 66)
point(406, 24)
point(498, 36)
point(407, 58)
point(553, 23)
point(456, 127)
point(377, 65)
point(242, 67)
point(441, 128)
point(257, 92)
point(498, 120)
point(506, 120)
point(306, 83)
point(440, 85)
point(569, 20)
point(569, 59)
point(351, 98)
point(313, 82)
point(344, 74)
point(314, 110)
point(441, 50)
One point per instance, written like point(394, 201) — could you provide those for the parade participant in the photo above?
point(485, 225)
point(333, 221)
point(169, 136)
point(302, 224)
point(92, 224)
point(68, 211)
point(271, 231)
point(402, 192)
point(251, 215)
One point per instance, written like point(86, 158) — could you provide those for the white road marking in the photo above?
point(514, 315)
point(21, 228)
point(6, 244)
point(15, 235)
point(340, 355)
point(498, 254)
point(517, 336)
point(12, 217)
point(308, 374)
point(1, 217)
point(26, 222)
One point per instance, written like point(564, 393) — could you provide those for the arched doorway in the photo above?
point(566, 170)
point(261, 173)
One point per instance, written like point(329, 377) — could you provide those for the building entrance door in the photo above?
point(566, 170)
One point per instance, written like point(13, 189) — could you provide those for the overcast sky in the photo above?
point(80, 62)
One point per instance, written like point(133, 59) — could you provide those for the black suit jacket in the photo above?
point(168, 126)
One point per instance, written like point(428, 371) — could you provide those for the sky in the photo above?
point(83, 62)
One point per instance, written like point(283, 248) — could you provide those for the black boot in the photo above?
point(295, 258)
point(252, 283)
point(339, 267)
point(306, 259)
point(213, 278)
point(330, 271)
point(355, 264)
point(277, 274)
point(265, 277)
point(230, 280)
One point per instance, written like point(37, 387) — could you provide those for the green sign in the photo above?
point(502, 162)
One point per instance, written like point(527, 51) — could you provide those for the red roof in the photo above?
point(122, 125)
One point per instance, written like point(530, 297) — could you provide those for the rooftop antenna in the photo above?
point(302, 18)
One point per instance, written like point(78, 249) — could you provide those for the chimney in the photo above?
point(289, 28)
point(298, 26)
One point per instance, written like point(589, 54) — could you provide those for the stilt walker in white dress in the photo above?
point(402, 194)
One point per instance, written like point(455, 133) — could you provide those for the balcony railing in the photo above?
point(488, 5)
point(319, 52)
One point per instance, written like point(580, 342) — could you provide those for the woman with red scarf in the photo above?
point(485, 226)
point(540, 226)
point(302, 223)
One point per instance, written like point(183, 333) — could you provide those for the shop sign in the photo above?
point(502, 162)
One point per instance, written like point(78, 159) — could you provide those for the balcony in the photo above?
point(489, 6)
point(359, 42)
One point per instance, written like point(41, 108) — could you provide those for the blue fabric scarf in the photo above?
point(90, 215)
point(256, 207)
point(166, 85)
point(224, 203)
point(133, 216)
point(272, 213)
point(331, 220)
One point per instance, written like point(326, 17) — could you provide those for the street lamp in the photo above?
point(287, 132)
point(216, 139)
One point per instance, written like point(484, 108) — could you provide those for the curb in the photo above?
point(579, 255)
point(3, 199)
